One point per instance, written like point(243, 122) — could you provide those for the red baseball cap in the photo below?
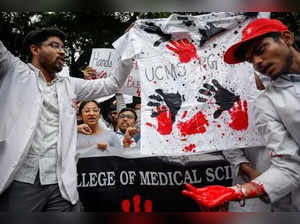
point(254, 29)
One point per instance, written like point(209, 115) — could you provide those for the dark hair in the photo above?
point(38, 36)
point(106, 107)
point(82, 104)
point(242, 50)
point(135, 100)
point(129, 109)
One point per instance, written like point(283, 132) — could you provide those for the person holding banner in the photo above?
point(38, 164)
point(98, 137)
point(269, 46)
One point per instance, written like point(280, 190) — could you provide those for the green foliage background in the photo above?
point(87, 30)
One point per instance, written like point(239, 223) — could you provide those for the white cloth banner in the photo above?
point(104, 60)
point(192, 101)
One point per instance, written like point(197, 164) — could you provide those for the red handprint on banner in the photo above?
point(196, 125)
point(239, 116)
point(184, 49)
point(126, 204)
point(165, 114)
point(164, 121)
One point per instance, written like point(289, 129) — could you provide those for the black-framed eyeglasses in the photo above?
point(56, 46)
point(127, 116)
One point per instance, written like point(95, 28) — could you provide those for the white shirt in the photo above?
point(21, 100)
point(277, 119)
point(42, 155)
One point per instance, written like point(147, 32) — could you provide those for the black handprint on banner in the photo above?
point(165, 115)
point(224, 98)
point(152, 28)
point(173, 101)
point(209, 32)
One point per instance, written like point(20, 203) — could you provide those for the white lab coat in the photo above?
point(259, 158)
point(20, 102)
point(277, 118)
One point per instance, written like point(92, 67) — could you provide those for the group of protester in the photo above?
point(38, 154)
point(110, 123)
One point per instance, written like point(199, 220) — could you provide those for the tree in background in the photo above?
point(88, 30)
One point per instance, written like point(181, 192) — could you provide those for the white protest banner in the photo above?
point(191, 100)
point(132, 85)
point(105, 60)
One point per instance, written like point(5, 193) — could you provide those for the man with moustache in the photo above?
point(269, 46)
point(128, 133)
point(38, 124)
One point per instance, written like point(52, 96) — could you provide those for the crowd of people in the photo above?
point(63, 119)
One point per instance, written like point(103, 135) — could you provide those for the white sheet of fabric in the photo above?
point(160, 68)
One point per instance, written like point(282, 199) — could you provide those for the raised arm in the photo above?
point(92, 89)
point(7, 61)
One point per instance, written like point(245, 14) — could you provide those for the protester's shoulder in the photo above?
point(264, 97)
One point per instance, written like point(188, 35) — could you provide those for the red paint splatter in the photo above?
point(138, 92)
point(150, 125)
point(223, 134)
point(130, 141)
point(184, 114)
point(126, 205)
point(240, 139)
point(164, 121)
point(218, 125)
point(197, 124)
point(189, 148)
point(148, 206)
point(184, 49)
point(136, 203)
point(239, 116)
point(272, 154)
point(183, 139)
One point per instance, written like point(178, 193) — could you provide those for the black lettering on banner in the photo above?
point(165, 72)
point(183, 72)
point(98, 61)
point(209, 62)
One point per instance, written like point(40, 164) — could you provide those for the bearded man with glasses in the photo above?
point(38, 149)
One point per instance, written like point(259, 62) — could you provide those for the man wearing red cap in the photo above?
point(269, 46)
